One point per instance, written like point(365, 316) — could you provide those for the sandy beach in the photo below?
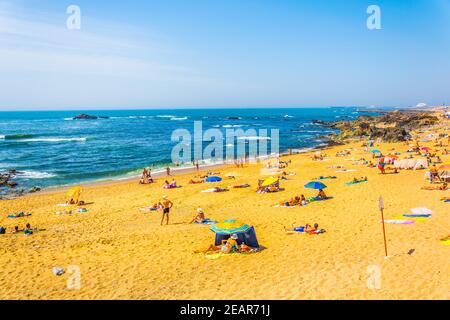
point(124, 253)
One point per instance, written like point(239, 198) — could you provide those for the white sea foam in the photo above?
point(35, 175)
point(251, 138)
point(2, 137)
point(54, 140)
point(165, 116)
point(178, 119)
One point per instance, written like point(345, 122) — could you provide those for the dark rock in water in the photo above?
point(11, 184)
point(84, 116)
point(34, 189)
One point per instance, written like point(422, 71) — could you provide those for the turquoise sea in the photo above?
point(49, 148)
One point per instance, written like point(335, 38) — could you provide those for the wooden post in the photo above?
point(381, 206)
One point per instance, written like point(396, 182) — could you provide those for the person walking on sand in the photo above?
point(167, 205)
point(168, 171)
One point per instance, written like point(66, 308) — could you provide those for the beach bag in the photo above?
point(2, 230)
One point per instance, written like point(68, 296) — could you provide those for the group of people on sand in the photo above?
point(146, 177)
point(28, 230)
point(302, 201)
point(275, 187)
point(170, 185)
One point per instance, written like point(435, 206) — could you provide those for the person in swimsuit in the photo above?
point(167, 205)
point(200, 217)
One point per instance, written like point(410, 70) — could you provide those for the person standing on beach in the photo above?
point(168, 171)
point(167, 205)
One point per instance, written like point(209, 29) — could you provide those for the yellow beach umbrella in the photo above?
point(75, 193)
point(269, 181)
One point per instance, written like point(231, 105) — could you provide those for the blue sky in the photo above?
point(223, 53)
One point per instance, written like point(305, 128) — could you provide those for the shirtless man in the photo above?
point(167, 205)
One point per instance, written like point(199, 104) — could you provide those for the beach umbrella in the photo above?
point(375, 151)
point(229, 227)
point(315, 185)
point(269, 182)
point(245, 233)
point(425, 148)
point(213, 179)
point(445, 166)
point(74, 193)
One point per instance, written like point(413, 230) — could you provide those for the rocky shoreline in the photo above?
point(394, 126)
point(9, 188)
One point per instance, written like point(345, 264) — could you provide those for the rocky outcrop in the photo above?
point(390, 127)
point(84, 116)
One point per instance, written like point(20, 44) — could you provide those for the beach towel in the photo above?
point(206, 222)
point(400, 221)
point(213, 190)
point(417, 215)
point(343, 171)
point(421, 210)
point(417, 219)
point(353, 183)
point(446, 241)
point(25, 215)
point(286, 207)
point(149, 209)
point(327, 178)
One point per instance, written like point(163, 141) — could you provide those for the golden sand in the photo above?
point(124, 253)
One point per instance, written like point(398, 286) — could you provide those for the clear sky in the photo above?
point(223, 53)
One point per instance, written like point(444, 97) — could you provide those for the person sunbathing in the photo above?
point(226, 247)
point(192, 181)
point(200, 217)
point(322, 194)
point(443, 187)
point(241, 186)
point(303, 200)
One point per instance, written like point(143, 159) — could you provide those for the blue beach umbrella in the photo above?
point(315, 185)
point(213, 179)
point(375, 151)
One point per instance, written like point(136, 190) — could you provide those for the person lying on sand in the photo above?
point(443, 187)
point(226, 247)
point(200, 217)
point(307, 229)
point(362, 179)
point(192, 181)
point(240, 186)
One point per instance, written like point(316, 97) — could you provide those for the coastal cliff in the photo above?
point(395, 126)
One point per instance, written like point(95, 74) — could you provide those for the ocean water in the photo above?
point(51, 149)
